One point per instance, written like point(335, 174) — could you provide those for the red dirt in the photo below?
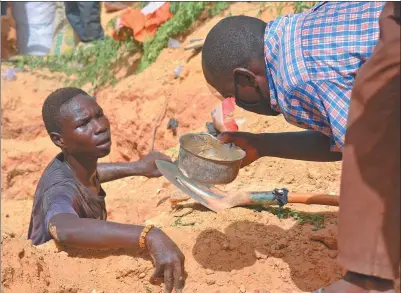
point(239, 249)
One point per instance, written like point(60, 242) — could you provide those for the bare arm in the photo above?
point(301, 145)
point(144, 167)
point(70, 230)
point(113, 171)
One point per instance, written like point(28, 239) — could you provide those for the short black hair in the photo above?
point(52, 105)
point(233, 42)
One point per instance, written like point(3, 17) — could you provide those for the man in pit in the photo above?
point(69, 204)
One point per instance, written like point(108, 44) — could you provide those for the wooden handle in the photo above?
point(312, 198)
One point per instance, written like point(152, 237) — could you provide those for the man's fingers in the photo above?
point(157, 273)
point(168, 279)
point(178, 276)
point(225, 137)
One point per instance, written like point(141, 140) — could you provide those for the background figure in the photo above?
point(34, 25)
point(84, 17)
point(4, 30)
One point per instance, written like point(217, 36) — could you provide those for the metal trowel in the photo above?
point(175, 176)
point(218, 200)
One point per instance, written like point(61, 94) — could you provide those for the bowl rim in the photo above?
point(242, 152)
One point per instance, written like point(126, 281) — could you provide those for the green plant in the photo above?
point(318, 221)
point(186, 15)
point(93, 63)
point(96, 62)
point(217, 7)
point(277, 8)
point(178, 223)
point(302, 6)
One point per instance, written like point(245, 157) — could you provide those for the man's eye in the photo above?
point(83, 123)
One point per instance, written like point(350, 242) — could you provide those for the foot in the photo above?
point(357, 283)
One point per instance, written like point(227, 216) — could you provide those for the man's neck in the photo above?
point(85, 169)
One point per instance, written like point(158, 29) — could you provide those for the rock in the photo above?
point(260, 255)
point(330, 242)
point(183, 212)
point(209, 272)
point(242, 289)
point(313, 174)
point(210, 282)
point(226, 245)
point(333, 253)
point(142, 275)
point(21, 254)
point(220, 282)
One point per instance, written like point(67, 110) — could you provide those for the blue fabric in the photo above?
point(312, 59)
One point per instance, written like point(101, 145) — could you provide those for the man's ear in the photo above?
point(57, 139)
point(245, 77)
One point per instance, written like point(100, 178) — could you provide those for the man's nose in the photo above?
point(101, 125)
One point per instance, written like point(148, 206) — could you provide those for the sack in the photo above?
point(64, 37)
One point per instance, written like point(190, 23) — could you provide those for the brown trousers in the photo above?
point(369, 225)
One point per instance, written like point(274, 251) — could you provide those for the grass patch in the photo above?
point(302, 218)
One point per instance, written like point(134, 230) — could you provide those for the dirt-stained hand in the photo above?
point(169, 260)
point(149, 168)
point(246, 141)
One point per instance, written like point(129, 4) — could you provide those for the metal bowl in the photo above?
point(204, 159)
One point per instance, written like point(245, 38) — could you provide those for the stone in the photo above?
point(333, 253)
point(329, 242)
point(260, 255)
point(210, 282)
point(242, 289)
point(142, 275)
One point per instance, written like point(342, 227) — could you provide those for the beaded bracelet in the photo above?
point(144, 232)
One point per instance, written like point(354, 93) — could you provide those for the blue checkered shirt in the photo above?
point(312, 59)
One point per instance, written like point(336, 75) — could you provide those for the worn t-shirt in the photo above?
point(59, 191)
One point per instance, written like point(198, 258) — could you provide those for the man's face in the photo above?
point(85, 129)
point(251, 92)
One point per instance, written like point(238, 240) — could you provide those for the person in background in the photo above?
point(4, 30)
point(84, 17)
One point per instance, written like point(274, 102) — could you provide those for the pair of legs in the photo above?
point(84, 17)
point(369, 225)
point(4, 30)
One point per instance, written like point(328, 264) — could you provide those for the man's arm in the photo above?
point(70, 230)
point(144, 167)
point(302, 145)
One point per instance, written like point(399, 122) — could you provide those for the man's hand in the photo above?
point(246, 141)
point(148, 165)
point(168, 258)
